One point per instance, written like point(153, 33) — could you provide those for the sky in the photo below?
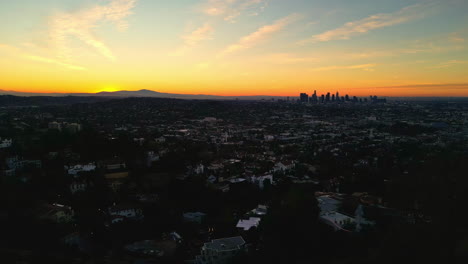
point(236, 47)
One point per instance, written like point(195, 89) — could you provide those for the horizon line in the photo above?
point(64, 94)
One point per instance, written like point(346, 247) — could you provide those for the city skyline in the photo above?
point(235, 47)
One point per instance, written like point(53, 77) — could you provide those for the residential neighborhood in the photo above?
point(179, 181)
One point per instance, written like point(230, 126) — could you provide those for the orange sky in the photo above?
point(242, 47)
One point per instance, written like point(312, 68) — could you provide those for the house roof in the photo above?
point(229, 243)
point(249, 223)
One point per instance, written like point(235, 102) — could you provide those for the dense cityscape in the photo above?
point(326, 179)
point(233, 132)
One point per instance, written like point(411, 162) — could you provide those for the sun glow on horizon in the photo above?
point(108, 88)
point(235, 48)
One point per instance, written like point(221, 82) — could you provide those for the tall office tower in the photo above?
point(328, 97)
point(337, 96)
point(333, 98)
point(314, 97)
point(347, 98)
point(304, 98)
point(322, 99)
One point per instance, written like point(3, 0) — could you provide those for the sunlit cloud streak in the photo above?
point(202, 33)
point(232, 9)
point(260, 35)
point(82, 24)
point(20, 53)
point(366, 67)
point(371, 23)
point(449, 63)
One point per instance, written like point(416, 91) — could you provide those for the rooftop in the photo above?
point(229, 243)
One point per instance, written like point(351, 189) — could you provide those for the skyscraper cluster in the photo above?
point(336, 98)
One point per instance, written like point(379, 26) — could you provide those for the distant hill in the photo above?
point(142, 93)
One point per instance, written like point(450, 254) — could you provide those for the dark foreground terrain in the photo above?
point(146, 180)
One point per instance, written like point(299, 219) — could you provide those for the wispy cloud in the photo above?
point(428, 86)
point(232, 9)
point(22, 54)
point(365, 67)
point(260, 35)
point(287, 58)
point(81, 24)
point(53, 61)
point(191, 39)
point(456, 38)
point(370, 23)
point(449, 63)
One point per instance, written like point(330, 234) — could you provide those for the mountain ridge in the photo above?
point(142, 93)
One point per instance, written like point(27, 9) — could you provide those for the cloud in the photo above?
point(429, 86)
point(288, 58)
point(231, 9)
point(202, 33)
point(53, 61)
point(456, 38)
point(366, 67)
point(370, 23)
point(449, 63)
point(81, 24)
point(260, 35)
point(20, 53)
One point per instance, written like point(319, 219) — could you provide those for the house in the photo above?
point(77, 169)
point(124, 212)
point(284, 166)
point(55, 126)
point(260, 181)
point(160, 140)
point(116, 180)
point(212, 179)
point(146, 197)
point(261, 210)
point(330, 214)
point(57, 213)
point(221, 251)
point(76, 187)
point(199, 169)
point(194, 217)
point(72, 127)
point(114, 164)
point(247, 224)
point(151, 157)
point(338, 221)
point(17, 164)
point(5, 143)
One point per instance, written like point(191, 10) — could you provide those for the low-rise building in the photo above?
point(221, 251)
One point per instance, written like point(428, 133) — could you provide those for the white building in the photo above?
point(247, 224)
point(330, 215)
point(74, 170)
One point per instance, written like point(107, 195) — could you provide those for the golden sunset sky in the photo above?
point(236, 47)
